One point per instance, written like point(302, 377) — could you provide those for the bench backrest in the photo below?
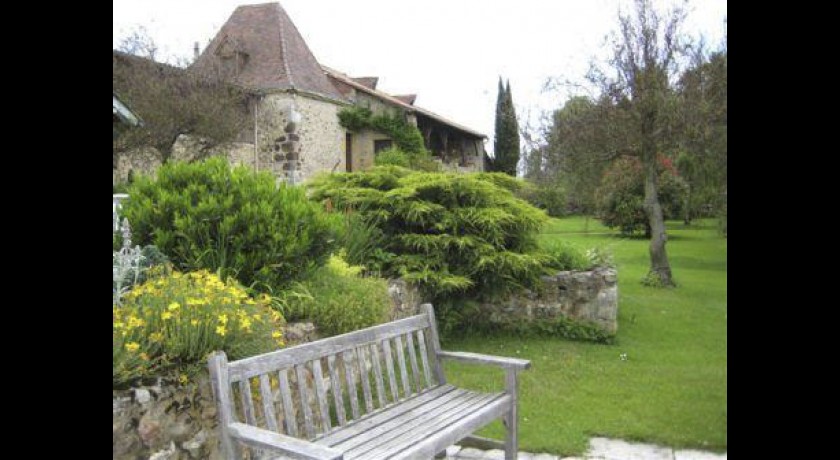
point(316, 384)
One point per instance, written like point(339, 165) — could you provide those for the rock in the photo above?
point(195, 446)
point(148, 430)
point(170, 453)
point(142, 395)
point(299, 332)
point(209, 413)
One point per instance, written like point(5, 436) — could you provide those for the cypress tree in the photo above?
point(506, 143)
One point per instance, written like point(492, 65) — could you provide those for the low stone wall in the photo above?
point(166, 421)
point(590, 296)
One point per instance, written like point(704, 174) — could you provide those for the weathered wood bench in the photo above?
point(409, 411)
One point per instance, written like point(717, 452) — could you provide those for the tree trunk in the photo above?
point(687, 210)
point(659, 264)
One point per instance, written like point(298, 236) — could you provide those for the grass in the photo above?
point(671, 390)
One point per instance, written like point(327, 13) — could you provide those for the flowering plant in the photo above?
point(173, 321)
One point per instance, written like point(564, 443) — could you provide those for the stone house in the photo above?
point(296, 102)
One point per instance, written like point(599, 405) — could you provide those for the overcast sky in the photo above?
point(448, 52)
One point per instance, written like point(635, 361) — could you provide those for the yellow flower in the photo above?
point(257, 317)
point(165, 315)
point(276, 334)
point(221, 330)
point(132, 346)
point(194, 322)
point(144, 356)
point(183, 379)
point(155, 336)
point(134, 321)
point(223, 319)
point(118, 326)
point(175, 305)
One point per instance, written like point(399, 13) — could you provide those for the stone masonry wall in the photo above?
point(586, 296)
point(319, 137)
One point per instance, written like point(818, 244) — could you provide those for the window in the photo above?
point(382, 144)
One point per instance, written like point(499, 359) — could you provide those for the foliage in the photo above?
point(620, 198)
point(234, 221)
point(174, 321)
point(565, 256)
point(419, 161)
point(363, 243)
point(393, 157)
point(506, 139)
point(406, 137)
point(337, 299)
point(451, 234)
point(150, 256)
point(173, 101)
point(547, 195)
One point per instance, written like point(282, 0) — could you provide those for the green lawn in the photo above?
point(672, 388)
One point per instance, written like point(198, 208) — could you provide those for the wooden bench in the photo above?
point(408, 411)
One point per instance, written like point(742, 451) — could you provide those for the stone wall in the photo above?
point(319, 137)
point(590, 296)
point(166, 421)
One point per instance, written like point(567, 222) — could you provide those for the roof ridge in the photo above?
point(283, 48)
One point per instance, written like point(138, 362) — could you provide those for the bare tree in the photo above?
point(174, 101)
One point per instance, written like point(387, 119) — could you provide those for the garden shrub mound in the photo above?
point(450, 234)
point(337, 299)
point(231, 220)
point(173, 321)
point(620, 198)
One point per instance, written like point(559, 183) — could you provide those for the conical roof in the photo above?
point(267, 51)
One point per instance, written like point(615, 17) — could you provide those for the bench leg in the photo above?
point(441, 454)
point(511, 418)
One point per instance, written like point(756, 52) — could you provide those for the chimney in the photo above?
point(195, 51)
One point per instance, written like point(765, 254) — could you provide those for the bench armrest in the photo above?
point(296, 448)
point(477, 358)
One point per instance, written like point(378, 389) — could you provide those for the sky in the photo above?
point(450, 53)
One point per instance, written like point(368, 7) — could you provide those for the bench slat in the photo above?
point(412, 354)
point(268, 403)
point(365, 378)
point(390, 435)
point(352, 395)
point(321, 394)
point(423, 443)
point(247, 402)
point(421, 342)
point(269, 362)
point(377, 373)
point(288, 408)
point(403, 372)
point(367, 423)
point(300, 371)
point(338, 398)
point(422, 411)
point(389, 366)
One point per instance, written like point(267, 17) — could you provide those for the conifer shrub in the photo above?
point(453, 235)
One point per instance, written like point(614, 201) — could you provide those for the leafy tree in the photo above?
point(702, 161)
point(174, 101)
point(506, 143)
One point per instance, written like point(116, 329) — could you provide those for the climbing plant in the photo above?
point(406, 136)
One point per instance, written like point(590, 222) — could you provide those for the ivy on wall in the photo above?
point(406, 136)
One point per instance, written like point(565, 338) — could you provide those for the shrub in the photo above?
point(234, 221)
point(620, 197)
point(394, 157)
point(337, 299)
point(548, 196)
point(451, 234)
point(172, 322)
point(565, 256)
